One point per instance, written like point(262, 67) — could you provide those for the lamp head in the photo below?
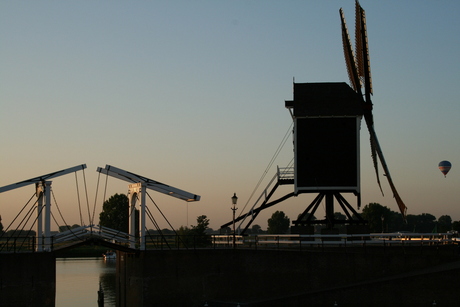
point(234, 199)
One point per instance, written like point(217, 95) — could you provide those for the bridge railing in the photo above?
point(84, 231)
point(17, 244)
point(262, 241)
point(296, 241)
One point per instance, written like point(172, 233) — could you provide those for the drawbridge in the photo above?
point(91, 234)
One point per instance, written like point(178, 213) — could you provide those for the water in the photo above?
point(77, 281)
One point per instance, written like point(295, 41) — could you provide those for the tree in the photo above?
point(411, 222)
point(377, 216)
point(456, 225)
point(225, 231)
point(20, 233)
point(278, 223)
point(196, 235)
point(115, 213)
point(202, 224)
point(185, 238)
point(201, 239)
point(255, 229)
point(426, 222)
point(444, 223)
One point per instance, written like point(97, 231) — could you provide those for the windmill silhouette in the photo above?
point(327, 120)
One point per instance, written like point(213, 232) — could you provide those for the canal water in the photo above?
point(78, 280)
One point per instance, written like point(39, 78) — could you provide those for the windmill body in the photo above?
point(327, 120)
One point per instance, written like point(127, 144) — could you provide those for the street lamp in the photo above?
point(383, 218)
point(234, 200)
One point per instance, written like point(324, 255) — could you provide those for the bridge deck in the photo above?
point(92, 240)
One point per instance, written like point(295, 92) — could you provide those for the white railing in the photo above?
point(335, 239)
point(285, 173)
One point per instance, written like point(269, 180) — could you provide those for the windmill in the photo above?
point(327, 120)
point(359, 72)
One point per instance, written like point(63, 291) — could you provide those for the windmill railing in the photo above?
point(285, 174)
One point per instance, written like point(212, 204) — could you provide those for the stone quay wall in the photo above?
point(372, 276)
point(27, 279)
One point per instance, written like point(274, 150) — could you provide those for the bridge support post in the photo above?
point(136, 193)
point(47, 216)
point(142, 215)
point(43, 191)
point(39, 194)
point(132, 196)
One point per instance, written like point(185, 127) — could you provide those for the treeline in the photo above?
point(379, 218)
point(383, 219)
point(18, 233)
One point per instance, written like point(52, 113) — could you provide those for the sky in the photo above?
point(191, 94)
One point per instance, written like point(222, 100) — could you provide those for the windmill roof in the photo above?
point(325, 99)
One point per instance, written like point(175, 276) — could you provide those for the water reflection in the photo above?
point(107, 278)
point(78, 279)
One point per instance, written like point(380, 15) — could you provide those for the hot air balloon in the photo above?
point(444, 167)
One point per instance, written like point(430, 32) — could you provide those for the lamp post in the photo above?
point(383, 218)
point(234, 200)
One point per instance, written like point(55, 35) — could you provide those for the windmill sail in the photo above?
point(399, 201)
point(361, 73)
point(362, 49)
point(349, 57)
point(354, 76)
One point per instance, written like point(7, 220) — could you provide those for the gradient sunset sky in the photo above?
point(191, 94)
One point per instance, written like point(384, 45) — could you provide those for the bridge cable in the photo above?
point(29, 215)
point(7, 228)
point(74, 234)
point(32, 226)
point(59, 210)
point(78, 198)
point(166, 219)
point(275, 155)
point(154, 222)
point(152, 219)
point(95, 199)
point(105, 189)
point(17, 234)
point(62, 216)
point(156, 226)
point(86, 193)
